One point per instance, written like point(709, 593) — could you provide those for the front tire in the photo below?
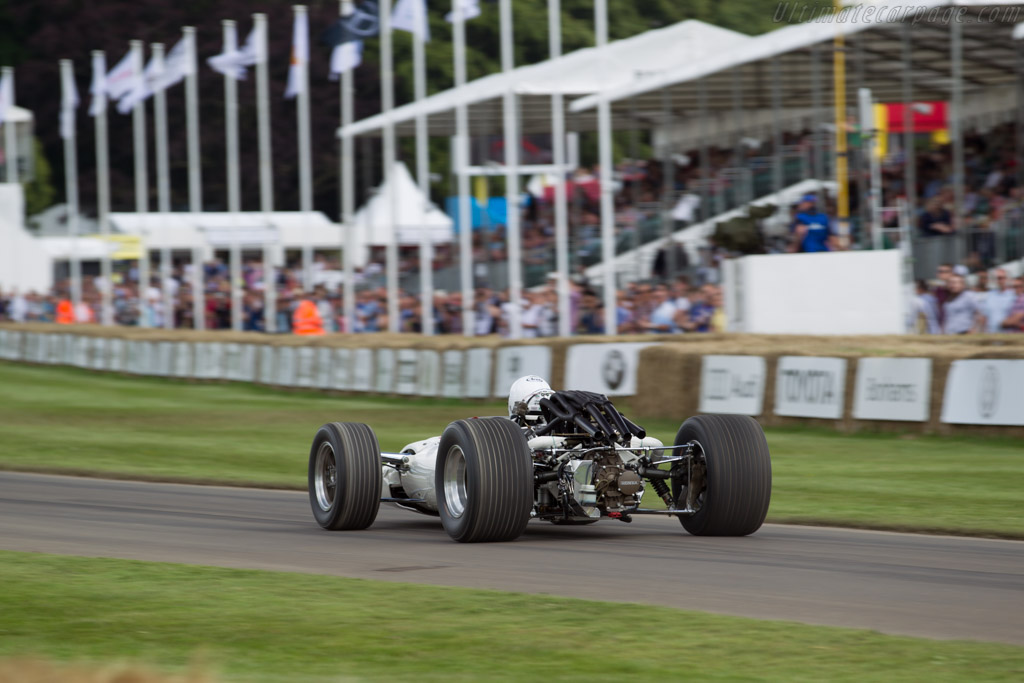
point(732, 475)
point(345, 476)
point(484, 480)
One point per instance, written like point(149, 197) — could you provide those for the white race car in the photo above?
point(566, 457)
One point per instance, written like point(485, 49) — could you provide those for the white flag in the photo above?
point(6, 97)
point(68, 104)
point(98, 89)
point(346, 56)
point(177, 65)
point(300, 55)
point(121, 79)
point(143, 89)
point(411, 16)
point(470, 10)
point(232, 61)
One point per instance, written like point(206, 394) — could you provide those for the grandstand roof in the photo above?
point(574, 74)
point(874, 58)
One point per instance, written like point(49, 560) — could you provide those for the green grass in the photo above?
point(70, 420)
point(270, 626)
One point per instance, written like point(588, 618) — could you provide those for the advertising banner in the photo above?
point(897, 389)
point(385, 379)
point(806, 386)
point(984, 392)
point(341, 369)
point(477, 373)
point(452, 363)
point(516, 361)
point(362, 370)
point(732, 385)
point(407, 372)
point(608, 369)
point(429, 381)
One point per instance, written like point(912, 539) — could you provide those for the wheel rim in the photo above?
point(455, 482)
point(325, 476)
point(697, 485)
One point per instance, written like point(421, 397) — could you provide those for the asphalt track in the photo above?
point(930, 586)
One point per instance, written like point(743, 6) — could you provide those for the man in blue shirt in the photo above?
point(811, 232)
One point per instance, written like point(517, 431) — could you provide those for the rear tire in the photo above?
point(732, 475)
point(345, 476)
point(484, 480)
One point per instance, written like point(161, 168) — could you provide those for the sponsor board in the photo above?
point(608, 369)
point(268, 374)
point(477, 374)
point(452, 362)
point(53, 349)
point(67, 349)
point(31, 350)
point(12, 345)
point(182, 359)
point(429, 379)
point(163, 358)
point(209, 360)
point(984, 392)
point(807, 386)
point(323, 368)
point(362, 370)
point(732, 384)
point(284, 366)
point(897, 389)
point(115, 355)
point(98, 360)
point(514, 362)
point(385, 377)
point(341, 369)
point(407, 372)
point(80, 351)
point(305, 366)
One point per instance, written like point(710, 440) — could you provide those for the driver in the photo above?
point(524, 398)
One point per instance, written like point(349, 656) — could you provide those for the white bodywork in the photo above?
point(417, 477)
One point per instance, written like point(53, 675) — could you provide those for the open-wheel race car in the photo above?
point(565, 457)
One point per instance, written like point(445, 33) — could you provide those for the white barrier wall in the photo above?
point(852, 292)
point(514, 362)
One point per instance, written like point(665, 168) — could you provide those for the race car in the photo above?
point(565, 457)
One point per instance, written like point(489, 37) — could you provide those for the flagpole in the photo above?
point(515, 257)
point(461, 161)
point(423, 172)
point(195, 183)
point(234, 191)
point(558, 149)
point(259, 22)
point(163, 185)
point(305, 162)
point(141, 182)
point(604, 136)
point(387, 104)
point(10, 139)
point(99, 66)
point(71, 179)
point(348, 186)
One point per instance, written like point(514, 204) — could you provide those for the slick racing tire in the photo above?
point(345, 476)
point(731, 474)
point(484, 480)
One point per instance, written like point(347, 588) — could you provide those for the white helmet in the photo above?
point(525, 394)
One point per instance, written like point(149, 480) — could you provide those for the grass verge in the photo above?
point(74, 421)
point(271, 626)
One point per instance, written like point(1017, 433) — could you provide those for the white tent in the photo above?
point(374, 223)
